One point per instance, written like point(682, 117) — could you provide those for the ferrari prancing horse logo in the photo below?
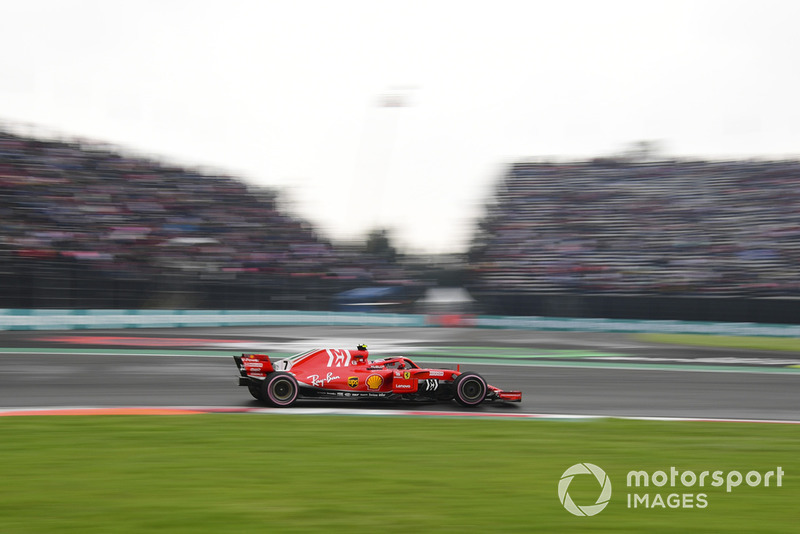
point(407, 375)
point(352, 382)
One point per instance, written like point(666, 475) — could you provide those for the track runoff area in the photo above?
point(564, 376)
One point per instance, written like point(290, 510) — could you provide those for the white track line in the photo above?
point(88, 410)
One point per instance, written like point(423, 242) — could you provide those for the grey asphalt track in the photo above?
point(168, 367)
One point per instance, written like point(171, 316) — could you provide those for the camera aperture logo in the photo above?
point(584, 469)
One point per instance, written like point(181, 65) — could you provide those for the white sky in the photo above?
point(285, 93)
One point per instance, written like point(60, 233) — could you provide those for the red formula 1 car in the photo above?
point(347, 373)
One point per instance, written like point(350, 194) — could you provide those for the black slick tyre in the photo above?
point(470, 389)
point(280, 389)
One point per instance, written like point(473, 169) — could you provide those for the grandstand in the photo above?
point(83, 225)
point(724, 229)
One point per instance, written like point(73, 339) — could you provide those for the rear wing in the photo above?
point(254, 365)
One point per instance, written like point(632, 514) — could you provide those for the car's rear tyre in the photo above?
point(280, 389)
point(470, 389)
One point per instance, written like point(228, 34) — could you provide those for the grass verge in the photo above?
point(286, 473)
point(734, 342)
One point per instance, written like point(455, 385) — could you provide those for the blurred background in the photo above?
point(574, 159)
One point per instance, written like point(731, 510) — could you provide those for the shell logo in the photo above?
point(374, 381)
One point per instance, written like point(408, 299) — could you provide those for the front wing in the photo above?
point(497, 394)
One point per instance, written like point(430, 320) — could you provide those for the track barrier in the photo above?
point(18, 319)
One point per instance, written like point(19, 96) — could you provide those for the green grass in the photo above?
point(734, 342)
point(286, 473)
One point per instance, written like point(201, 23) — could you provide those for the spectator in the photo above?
point(692, 228)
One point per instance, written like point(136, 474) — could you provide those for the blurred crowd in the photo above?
point(611, 226)
point(728, 228)
point(132, 217)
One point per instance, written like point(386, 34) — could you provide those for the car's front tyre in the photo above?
point(280, 389)
point(470, 389)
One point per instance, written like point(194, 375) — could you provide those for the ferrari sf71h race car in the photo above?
point(345, 373)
